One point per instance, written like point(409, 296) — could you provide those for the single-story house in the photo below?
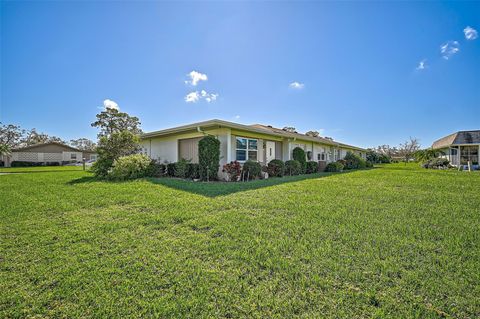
point(51, 152)
point(239, 142)
point(460, 148)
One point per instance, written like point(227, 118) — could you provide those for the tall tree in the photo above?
point(11, 135)
point(113, 121)
point(83, 144)
point(408, 149)
point(33, 137)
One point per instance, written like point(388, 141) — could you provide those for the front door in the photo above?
point(269, 151)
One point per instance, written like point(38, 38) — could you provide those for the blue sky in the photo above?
point(357, 66)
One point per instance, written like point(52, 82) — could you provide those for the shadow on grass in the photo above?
point(214, 189)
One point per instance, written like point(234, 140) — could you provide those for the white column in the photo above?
point(229, 145)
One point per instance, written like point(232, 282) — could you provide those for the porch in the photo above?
point(460, 155)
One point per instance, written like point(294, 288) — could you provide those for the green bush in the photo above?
point(251, 169)
point(312, 167)
point(276, 168)
point(157, 169)
point(334, 167)
point(353, 161)
point(112, 147)
point(368, 164)
point(193, 171)
point(171, 169)
point(130, 167)
point(181, 168)
point(293, 167)
point(209, 157)
point(299, 155)
point(102, 166)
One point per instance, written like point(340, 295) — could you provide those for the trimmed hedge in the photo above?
point(31, 164)
point(193, 170)
point(299, 155)
point(276, 168)
point(157, 169)
point(209, 157)
point(293, 167)
point(251, 169)
point(312, 167)
point(334, 167)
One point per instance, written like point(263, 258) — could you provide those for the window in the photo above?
point(246, 149)
point(73, 156)
point(321, 156)
point(93, 157)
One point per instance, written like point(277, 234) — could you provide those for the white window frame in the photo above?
point(73, 156)
point(247, 150)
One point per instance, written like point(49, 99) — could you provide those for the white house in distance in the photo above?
point(240, 142)
point(47, 153)
point(460, 148)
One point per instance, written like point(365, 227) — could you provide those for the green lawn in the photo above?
point(40, 169)
point(390, 242)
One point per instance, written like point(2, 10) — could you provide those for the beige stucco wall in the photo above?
point(165, 149)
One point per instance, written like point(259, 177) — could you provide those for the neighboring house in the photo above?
point(460, 148)
point(52, 152)
point(240, 142)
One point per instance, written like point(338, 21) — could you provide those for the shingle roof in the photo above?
point(43, 144)
point(265, 129)
point(458, 138)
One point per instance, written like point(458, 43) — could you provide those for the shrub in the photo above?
point(130, 167)
point(436, 163)
point(181, 168)
point(25, 164)
point(102, 166)
point(334, 167)
point(251, 169)
point(112, 147)
point(193, 171)
point(299, 155)
point(171, 169)
point(293, 167)
point(312, 167)
point(209, 157)
point(233, 170)
point(276, 168)
point(157, 169)
point(368, 164)
point(353, 161)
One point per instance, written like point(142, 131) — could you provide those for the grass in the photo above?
point(32, 169)
point(391, 242)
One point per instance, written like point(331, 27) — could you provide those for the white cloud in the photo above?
point(211, 97)
point(192, 97)
point(470, 33)
point(196, 96)
point(422, 65)
point(109, 104)
point(297, 85)
point(237, 117)
point(449, 48)
point(196, 77)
